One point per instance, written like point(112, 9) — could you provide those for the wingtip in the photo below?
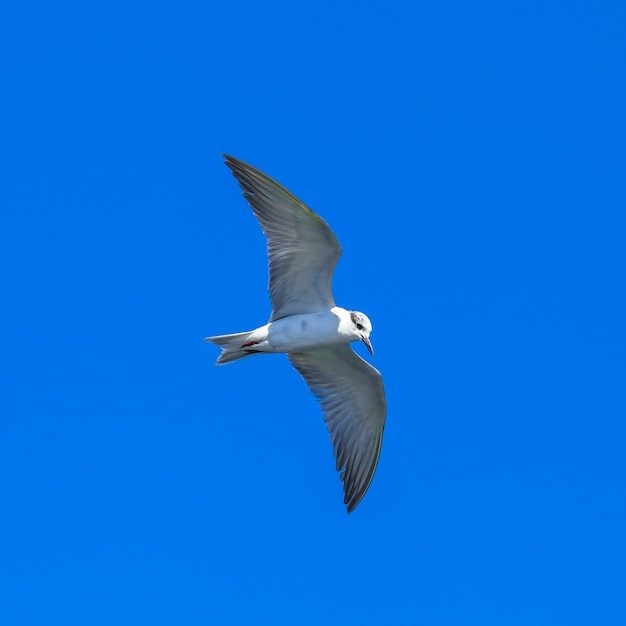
point(231, 160)
point(350, 506)
point(236, 165)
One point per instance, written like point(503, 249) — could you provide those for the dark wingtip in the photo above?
point(231, 160)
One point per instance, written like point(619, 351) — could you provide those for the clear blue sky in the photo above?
point(470, 157)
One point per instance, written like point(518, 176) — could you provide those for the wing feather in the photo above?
point(352, 397)
point(302, 250)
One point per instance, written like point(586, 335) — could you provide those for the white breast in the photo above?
point(298, 332)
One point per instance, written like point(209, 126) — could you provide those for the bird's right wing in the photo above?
point(302, 249)
point(352, 397)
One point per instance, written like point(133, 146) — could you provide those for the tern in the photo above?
point(311, 330)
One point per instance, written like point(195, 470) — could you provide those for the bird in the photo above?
point(311, 330)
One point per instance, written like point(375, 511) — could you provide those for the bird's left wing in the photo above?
point(352, 397)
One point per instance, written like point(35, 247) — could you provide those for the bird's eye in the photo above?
point(359, 326)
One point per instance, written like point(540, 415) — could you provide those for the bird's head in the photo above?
point(362, 328)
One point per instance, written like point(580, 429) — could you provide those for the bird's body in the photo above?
point(311, 330)
point(291, 334)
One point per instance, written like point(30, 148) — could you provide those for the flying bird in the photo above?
point(311, 330)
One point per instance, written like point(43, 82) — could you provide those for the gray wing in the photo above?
point(301, 248)
point(352, 397)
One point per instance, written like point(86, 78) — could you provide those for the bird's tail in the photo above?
point(234, 347)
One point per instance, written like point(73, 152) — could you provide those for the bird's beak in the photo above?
point(368, 343)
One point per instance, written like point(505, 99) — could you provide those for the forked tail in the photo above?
point(234, 347)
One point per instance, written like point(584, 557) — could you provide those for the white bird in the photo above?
point(313, 332)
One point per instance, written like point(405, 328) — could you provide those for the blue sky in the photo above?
point(470, 158)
